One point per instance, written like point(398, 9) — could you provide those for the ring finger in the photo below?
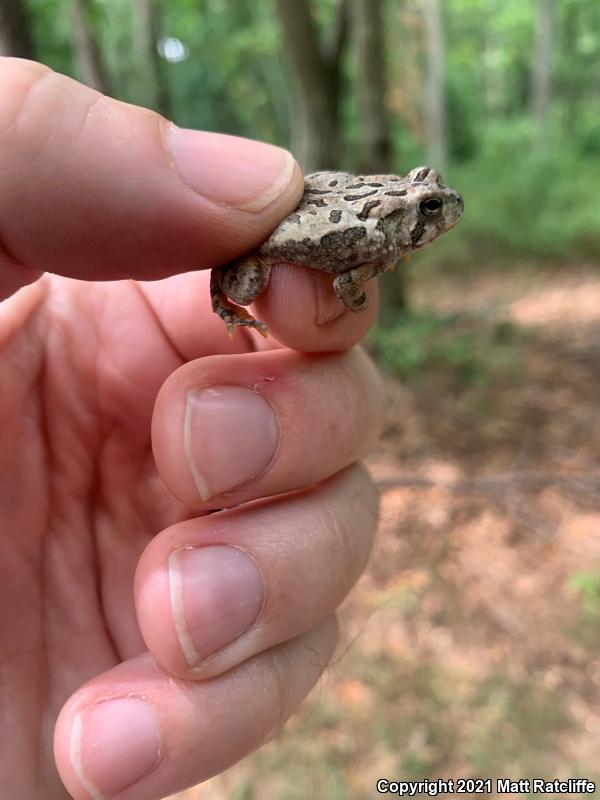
point(212, 592)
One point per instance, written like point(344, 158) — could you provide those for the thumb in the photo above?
point(96, 189)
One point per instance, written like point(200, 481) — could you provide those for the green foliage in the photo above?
point(522, 208)
point(231, 81)
point(588, 586)
point(515, 716)
point(421, 342)
point(519, 206)
point(511, 722)
point(52, 34)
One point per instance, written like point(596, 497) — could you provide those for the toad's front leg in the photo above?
point(241, 281)
point(348, 286)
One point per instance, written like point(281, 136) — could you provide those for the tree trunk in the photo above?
point(571, 82)
point(148, 34)
point(15, 30)
point(88, 58)
point(494, 74)
point(374, 146)
point(542, 71)
point(435, 88)
point(316, 139)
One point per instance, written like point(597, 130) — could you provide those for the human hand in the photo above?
point(157, 643)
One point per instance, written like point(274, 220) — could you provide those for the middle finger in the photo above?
point(229, 429)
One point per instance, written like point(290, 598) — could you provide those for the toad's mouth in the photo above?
point(449, 224)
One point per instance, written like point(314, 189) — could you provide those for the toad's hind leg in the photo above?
point(348, 286)
point(242, 281)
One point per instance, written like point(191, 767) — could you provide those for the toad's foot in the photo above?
point(348, 286)
point(232, 315)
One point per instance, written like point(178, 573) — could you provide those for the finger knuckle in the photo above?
point(281, 667)
point(373, 386)
point(351, 525)
point(20, 81)
point(41, 110)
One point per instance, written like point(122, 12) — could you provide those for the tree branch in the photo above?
point(589, 480)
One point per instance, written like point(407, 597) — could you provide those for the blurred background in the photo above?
point(471, 646)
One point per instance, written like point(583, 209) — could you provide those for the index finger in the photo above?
point(96, 189)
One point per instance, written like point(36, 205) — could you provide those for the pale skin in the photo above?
point(120, 409)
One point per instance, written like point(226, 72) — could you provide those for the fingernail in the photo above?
point(327, 303)
point(230, 436)
point(237, 172)
point(114, 744)
point(216, 594)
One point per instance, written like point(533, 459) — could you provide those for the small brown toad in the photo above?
point(354, 227)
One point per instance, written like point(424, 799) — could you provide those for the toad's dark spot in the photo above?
point(421, 175)
point(316, 191)
point(392, 221)
point(364, 212)
point(352, 197)
point(401, 193)
point(417, 232)
point(335, 215)
point(295, 218)
point(318, 201)
point(340, 241)
point(333, 183)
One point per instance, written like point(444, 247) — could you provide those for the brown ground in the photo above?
point(471, 645)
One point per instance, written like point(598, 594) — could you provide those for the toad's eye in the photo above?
point(430, 207)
